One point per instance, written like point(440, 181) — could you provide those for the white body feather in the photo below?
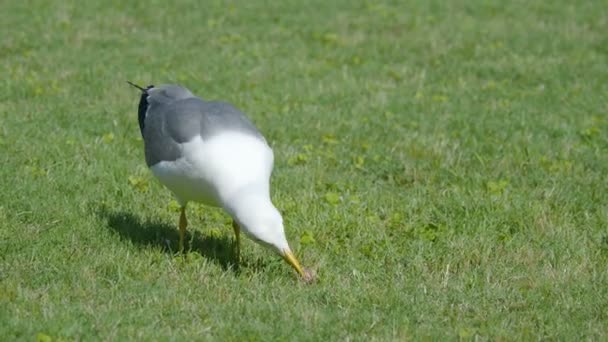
point(231, 170)
point(213, 171)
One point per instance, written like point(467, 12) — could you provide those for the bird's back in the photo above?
point(167, 125)
point(204, 151)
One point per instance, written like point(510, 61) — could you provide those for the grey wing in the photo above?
point(159, 143)
point(168, 126)
point(193, 117)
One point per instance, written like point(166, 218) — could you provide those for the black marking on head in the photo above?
point(143, 105)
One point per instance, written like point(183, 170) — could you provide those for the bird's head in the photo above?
point(261, 221)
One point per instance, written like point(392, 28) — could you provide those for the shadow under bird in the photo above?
point(210, 152)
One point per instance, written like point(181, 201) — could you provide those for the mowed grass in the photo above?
point(441, 165)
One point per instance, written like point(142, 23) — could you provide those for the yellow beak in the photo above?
point(288, 256)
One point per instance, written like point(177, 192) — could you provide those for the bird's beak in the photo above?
point(143, 90)
point(291, 259)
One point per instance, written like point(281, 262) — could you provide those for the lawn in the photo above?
point(442, 166)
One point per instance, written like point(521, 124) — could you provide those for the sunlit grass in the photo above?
point(441, 166)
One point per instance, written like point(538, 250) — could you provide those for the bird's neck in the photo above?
point(251, 198)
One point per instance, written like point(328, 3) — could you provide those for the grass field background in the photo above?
point(441, 165)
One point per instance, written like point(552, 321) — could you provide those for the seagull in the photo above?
point(210, 152)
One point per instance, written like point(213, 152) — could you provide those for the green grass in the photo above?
point(441, 165)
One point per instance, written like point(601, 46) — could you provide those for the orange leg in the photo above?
point(183, 223)
point(237, 234)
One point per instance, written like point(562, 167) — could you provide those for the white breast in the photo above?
point(211, 171)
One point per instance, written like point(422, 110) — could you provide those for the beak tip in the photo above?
point(309, 276)
point(305, 275)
